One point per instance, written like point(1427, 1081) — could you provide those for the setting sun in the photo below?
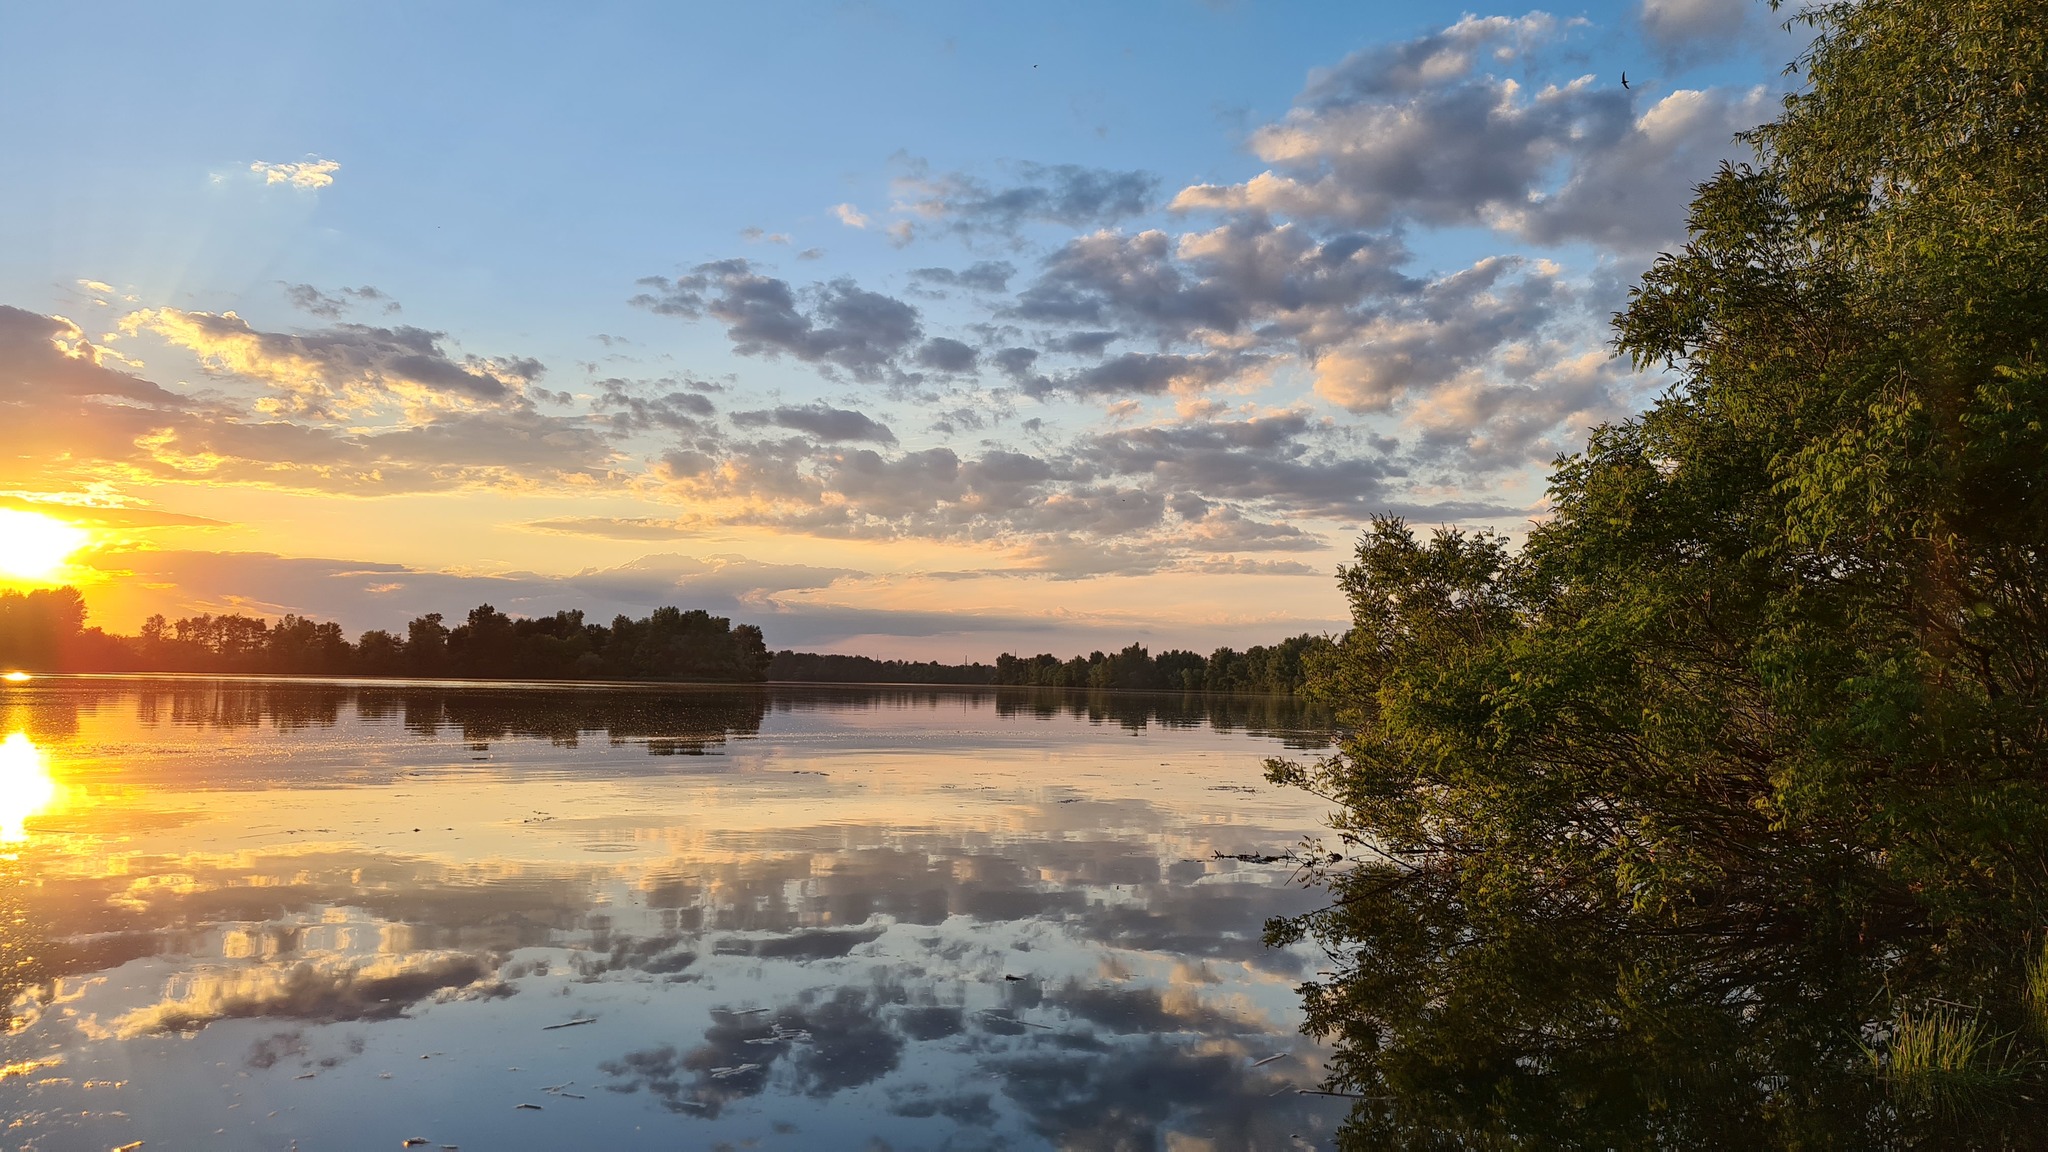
point(34, 546)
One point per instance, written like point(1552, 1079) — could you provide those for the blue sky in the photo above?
point(911, 329)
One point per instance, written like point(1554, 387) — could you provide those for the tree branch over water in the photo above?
point(1716, 813)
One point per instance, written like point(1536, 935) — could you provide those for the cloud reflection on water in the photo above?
point(986, 917)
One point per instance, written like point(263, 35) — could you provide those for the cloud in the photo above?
point(944, 354)
point(1631, 196)
point(364, 594)
point(1691, 31)
point(109, 515)
point(633, 406)
point(1066, 195)
point(832, 425)
point(617, 528)
point(838, 323)
point(81, 421)
point(982, 276)
point(314, 173)
point(850, 216)
point(347, 368)
point(1201, 494)
point(1220, 283)
point(516, 449)
point(1220, 528)
point(786, 600)
point(1429, 61)
point(329, 306)
point(1422, 132)
point(1287, 460)
point(1551, 397)
point(1147, 374)
point(1451, 325)
point(45, 357)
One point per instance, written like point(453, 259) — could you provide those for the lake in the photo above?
point(321, 915)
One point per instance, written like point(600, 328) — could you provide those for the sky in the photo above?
point(919, 330)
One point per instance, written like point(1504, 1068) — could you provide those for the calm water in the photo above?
point(244, 914)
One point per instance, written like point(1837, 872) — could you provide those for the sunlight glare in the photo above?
point(34, 546)
point(26, 786)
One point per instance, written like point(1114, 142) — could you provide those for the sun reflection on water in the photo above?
point(26, 786)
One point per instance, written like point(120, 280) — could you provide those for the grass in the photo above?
point(1946, 1060)
point(2034, 993)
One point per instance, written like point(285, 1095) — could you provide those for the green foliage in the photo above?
point(1737, 764)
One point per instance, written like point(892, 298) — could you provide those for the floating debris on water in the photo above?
point(1006, 1018)
point(564, 1024)
point(777, 1034)
point(528, 1107)
point(733, 1070)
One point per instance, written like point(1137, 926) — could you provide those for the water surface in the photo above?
point(249, 914)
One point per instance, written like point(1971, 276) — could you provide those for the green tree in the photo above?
point(1695, 818)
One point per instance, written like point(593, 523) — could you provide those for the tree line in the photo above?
point(838, 668)
point(1281, 669)
point(45, 629)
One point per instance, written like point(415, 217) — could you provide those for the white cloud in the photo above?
point(1688, 31)
point(1421, 133)
point(314, 173)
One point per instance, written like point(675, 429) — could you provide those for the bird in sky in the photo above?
point(1624, 80)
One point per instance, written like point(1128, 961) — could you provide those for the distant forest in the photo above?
point(46, 630)
point(834, 668)
point(1281, 669)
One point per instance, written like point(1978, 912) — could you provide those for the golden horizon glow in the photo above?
point(26, 786)
point(34, 546)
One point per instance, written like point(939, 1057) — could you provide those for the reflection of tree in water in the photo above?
point(671, 722)
point(239, 704)
point(1295, 722)
point(684, 723)
point(684, 720)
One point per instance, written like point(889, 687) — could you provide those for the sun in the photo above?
point(34, 546)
